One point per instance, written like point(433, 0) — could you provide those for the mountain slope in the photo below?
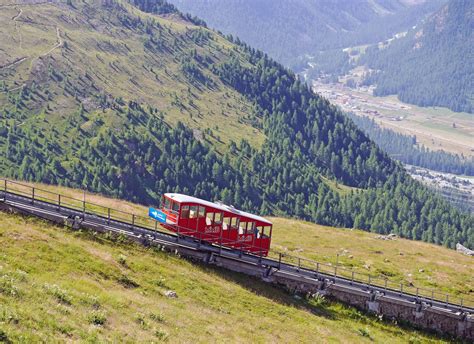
point(133, 104)
point(398, 259)
point(432, 64)
point(93, 289)
point(288, 30)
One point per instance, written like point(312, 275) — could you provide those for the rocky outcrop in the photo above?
point(464, 250)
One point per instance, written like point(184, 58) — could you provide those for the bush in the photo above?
point(127, 282)
point(122, 259)
point(161, 282)
point(161, 334)
point(4, 337)
point(97, 318)
point(364, 332)
point(140, 319)
point(319, 300)
point(157, 317)
point(60, 294)
point(7, 287)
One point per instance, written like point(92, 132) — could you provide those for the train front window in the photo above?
point(267, 230)
point(175, 207)
point(185, 212)
point(167, 203)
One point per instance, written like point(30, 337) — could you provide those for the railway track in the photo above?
point(62, 211)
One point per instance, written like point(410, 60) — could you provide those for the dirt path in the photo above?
point(15, 18)
point(57, 45)
point(17, 27)
point(8, 65)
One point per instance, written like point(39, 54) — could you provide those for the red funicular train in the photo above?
point(215, 223)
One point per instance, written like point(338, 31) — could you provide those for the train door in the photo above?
point(193, 219)
point(213, 224)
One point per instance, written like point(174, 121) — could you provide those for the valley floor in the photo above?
point(435, 127)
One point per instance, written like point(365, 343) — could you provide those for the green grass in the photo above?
point(411, 262)
point(338, 187)
point(401, 260)
point(58, 285)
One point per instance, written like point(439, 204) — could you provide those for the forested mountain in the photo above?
point(291, 29)
point(134, 103)
point(433, 64)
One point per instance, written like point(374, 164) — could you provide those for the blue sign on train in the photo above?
point(157, 215)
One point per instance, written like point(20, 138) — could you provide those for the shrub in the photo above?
point(7, 286)
point(127, 282)
point(4, 337)
point(97, 318)
point(157, 317)
point(60, 294)
point(364, 332)
point(161, 282)
point(319, 300)
point(122, 259)
point(140, 319)
point(161, 334)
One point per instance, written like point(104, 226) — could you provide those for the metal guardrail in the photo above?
point(62, 201)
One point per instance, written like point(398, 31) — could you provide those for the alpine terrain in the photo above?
point(133, 99)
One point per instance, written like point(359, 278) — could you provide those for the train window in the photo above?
point(193, 212)
point(242, 227)
point(250, 227)
point(259, 231)
point(202, 211)
point(209, 218)
point(267, 230)
point(218, 218)
point(167, 204)
point(175, 206)
point(226, 223)
point(185, 212)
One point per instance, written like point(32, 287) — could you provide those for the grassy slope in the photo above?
point(399, 259)
point(424, 265)
point(54, 284)
point(101, 55)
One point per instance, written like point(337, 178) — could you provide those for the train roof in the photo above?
point(190, 199)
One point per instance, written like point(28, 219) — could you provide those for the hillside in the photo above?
point(289, 30)
point(399, 259)
point(94, 289)
point(403, 261)
point(137, 100)
point(432, 64)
